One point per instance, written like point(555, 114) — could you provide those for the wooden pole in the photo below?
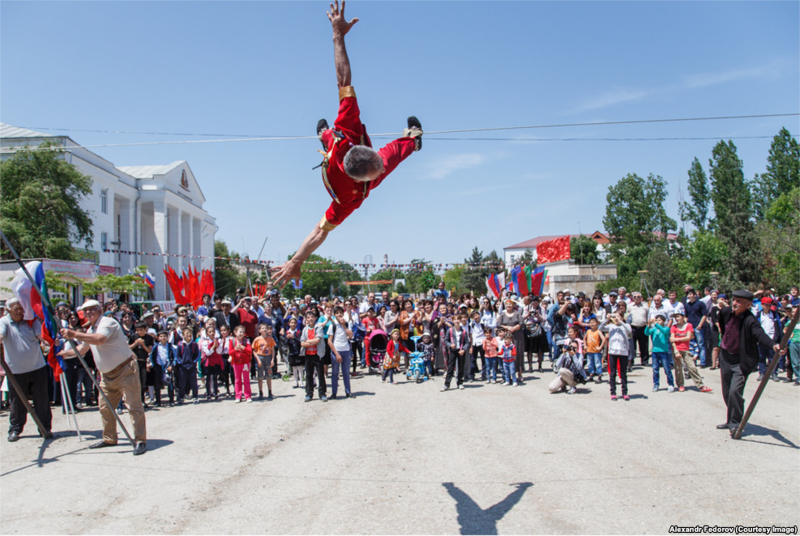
point(765, 380)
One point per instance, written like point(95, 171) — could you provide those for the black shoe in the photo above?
point(322, 126)
point(333, 396)
point(13, 436)
point(348, 395)
point(723, 426)
point(270, 397)
point(413, 122)
point(140, 448)
point(101, 444)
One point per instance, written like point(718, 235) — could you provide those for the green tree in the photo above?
point(780, 240)
point(40, 211)
point(318, 278)
point(661, 272)
point(227, 277)
point(704, 254)
point(130, 284)
point(696, 211)
point(473, 277)
point(733, 221)
point(526, 258)
point(387, 274)
point(452, 280)
point(636, 221)
point(420, 277)
point(782, 175)
point(583, 250)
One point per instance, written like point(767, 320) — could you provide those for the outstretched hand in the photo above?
point(339, 23)
point(281, 275)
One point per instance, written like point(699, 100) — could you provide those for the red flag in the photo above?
point(553, 250)
point(522, 282)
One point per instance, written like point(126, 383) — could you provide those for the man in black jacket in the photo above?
point(741, 334)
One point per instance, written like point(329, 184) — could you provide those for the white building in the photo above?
point(135, 209)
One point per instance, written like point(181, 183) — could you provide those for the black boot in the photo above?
point(413, 123)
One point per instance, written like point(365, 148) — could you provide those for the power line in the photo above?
point(490, 129)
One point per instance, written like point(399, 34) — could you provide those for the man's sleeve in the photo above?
point(337, 213)
point(349, 119)
point(107, 329)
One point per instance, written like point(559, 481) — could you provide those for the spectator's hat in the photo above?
point(226, 301)
point(426, 334)
point(723, 296)
point(677, 312)
point(661, 314)
point(463, 306)
point(766, 301)
point(546, 298)
point(613, 293)
point(61, 304)
point(148, 314)
point(743, 294)
point(248, 298)
point(90, 303)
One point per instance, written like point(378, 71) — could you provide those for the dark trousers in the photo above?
point(477, 351)
point(357, 348)
point(453, 360)
point(187, 379)
point(212, 386)
point(623, 373)
point(158, 377)
point(314, 362)
point(142, 376)
point(34, 385)
point(226, 375)
point(72, 368)
point(733, 381)
point(642, 341)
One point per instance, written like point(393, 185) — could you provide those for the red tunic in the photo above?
point(348, 194)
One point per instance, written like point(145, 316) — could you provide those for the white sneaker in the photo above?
point(443, 389)
point(238, 400)
point(506, 383)
point(516, 384)
point(249, 400)
point(572, 391)
point(461, 387)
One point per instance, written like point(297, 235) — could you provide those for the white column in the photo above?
point(161, 233)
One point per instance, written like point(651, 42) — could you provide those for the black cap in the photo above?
point(744, 294)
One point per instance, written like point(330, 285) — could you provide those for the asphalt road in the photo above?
point(405, 458)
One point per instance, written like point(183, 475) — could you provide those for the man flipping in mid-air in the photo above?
point(351, 167)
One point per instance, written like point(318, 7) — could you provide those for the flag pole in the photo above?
point(765, 380)
point(46, 301)
point(23, 396)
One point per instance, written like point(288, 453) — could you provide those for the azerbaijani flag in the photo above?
point(32, 304)
point(537, 280)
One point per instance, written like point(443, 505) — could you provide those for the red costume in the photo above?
point(347, 132)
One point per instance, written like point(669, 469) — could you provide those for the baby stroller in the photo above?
point(377, 349)
point(416, 368)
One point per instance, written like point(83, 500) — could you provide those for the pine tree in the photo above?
point(696, 211)
point(782, 175)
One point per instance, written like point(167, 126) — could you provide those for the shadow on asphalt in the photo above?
point(363, 393)
point(756, 430)
point(474, 520)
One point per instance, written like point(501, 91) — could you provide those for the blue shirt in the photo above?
point(695, 312)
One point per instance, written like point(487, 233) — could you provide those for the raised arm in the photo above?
point(340, 29)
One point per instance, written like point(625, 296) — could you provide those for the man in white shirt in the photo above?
point(120, 374)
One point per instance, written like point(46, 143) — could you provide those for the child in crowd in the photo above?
point(211, 351)
point(394, 352)
point(263, 348)
point(141, 344)
point(162, 360)
point(187, 356)
point(619, 333)
point(508, 351)
point(371, 323)
point(225, 339)
point(658, 332)
point(490, 347)
point(680, 334)
point(575, 335)
point(593, 342)
point(296, 359)
point(477, 336)
point(240, 351)
point(427, 349)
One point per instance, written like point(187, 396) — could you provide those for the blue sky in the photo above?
point(266, 69)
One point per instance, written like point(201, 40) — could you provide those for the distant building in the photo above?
point(140, 209)
point(513, 253)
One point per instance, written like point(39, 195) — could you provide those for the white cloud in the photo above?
point(770, 70)
point(445, 165)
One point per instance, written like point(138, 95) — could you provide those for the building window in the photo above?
point(103, 241)
point(512, 258)
point(104, 201)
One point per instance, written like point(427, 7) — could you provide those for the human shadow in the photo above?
point(473, 519)
point(756, 430)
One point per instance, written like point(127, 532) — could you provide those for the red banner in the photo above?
point(553, 250)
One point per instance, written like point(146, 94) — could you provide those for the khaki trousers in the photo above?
point(682, 357)
point(565, 378)
point(124, 382)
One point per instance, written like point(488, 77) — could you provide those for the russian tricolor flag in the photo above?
point(149, 279)
point(32, 304)
point(495, 283)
